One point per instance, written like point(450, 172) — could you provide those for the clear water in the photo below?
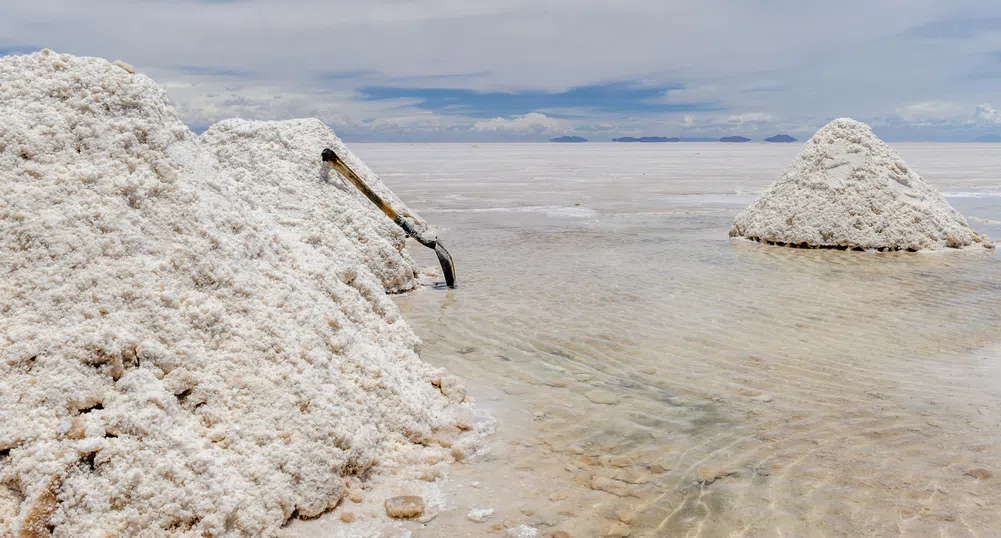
point(650, 374)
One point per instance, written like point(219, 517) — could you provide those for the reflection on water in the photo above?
point(703, 386)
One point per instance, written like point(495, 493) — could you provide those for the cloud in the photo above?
point(948, 114)
point(989, 114)
point(938, 120)
point(436, 68)
point(533, 123)
point(926, 113)
point(931, 109)
point(750, 117)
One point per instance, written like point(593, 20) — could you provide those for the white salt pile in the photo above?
point(848, 189)
point(173, 361)
point(279, 163)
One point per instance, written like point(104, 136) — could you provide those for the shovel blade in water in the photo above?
point(447, 265)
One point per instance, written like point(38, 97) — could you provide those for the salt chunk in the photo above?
point(404, 507)
point(480, 515)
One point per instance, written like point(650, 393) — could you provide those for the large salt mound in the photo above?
point(173, 362)
point(848, 189)
point(279, 163)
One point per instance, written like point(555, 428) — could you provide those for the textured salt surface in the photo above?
point(279, 163)
point(848, 189)
point(174, 361)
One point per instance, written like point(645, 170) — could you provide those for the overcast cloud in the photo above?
point(528, 70)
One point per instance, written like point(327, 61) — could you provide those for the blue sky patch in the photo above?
point(6, 50)
point(346, 75)
point(202, 71)
point(957, 28)
point(623, 98)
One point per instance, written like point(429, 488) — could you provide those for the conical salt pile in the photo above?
point(173, 362)
point(848, 189)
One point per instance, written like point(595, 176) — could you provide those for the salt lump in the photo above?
point(848, 189)
point(173, 361)
point(279, 163)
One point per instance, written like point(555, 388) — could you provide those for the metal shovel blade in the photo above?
point(447, 265)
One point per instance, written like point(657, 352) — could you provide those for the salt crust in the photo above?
point(848, 189)
point(173, 360)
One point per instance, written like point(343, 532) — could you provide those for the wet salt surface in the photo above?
point(650, 375)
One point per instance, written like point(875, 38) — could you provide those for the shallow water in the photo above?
point(654, 375)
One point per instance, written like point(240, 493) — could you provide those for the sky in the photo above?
point(530, 70)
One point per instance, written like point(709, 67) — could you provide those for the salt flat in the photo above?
point(649, 373)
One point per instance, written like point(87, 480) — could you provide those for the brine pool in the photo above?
point(652, 377)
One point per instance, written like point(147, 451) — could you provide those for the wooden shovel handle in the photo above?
point(342, 168)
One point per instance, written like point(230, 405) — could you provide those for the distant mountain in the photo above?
point(992, 138)
point(734, 139)
point(784, 139)
point(698, 139)
point(569, 139)
point(646, 139)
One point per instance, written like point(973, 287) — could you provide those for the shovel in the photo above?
point(447, 265)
